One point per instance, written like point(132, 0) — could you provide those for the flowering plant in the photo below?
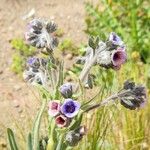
point(65, 108)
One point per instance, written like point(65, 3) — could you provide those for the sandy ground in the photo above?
point(15, 93)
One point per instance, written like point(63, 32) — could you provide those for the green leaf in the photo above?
point(11, 139)
point(60, 80)
point(35, 131)
point(91, 42)
point(29, 141)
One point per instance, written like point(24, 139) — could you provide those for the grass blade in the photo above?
point(29, 141)
point(35, 132)
point(11, 139)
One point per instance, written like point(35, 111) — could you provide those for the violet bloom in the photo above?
point(31, 61)
point(118, 57)
point(54, 108)
point(66, 90)
point(62, 121)
point(70, 108)
point(115, 39)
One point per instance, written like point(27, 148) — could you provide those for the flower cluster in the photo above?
point(110, 54)
point(35, 72)
point(133, 96)
point(40, 33)
point(114, 55)
point(64, 112)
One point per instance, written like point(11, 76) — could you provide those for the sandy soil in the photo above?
point(15, 93)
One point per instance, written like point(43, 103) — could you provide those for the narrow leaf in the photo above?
point(29, 141)
point(11, 139)
point(35, 132)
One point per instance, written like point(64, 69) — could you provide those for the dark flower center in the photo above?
point(60, 120)
point(54, 106)
point(116, 56)
point(70, 108)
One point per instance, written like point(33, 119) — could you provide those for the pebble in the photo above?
point(3, 143)
point(69, 56)
point(16, 104)
point(22, 116)
point(17, 88)
point(20, 111)
point(68, 79)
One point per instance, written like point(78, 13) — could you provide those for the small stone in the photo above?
point(16, 104)
point(145, 146)
point(69, 56)
point(3, 143)
point(68, 79)
point(17, 88)
point(22, 116)
point(20, 111)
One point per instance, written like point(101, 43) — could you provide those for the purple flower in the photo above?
point(66, 90)
point(70, 108)
point(31, 61)
point(54, 108)
point(118, 57)
point(62, 121)
point(115, 39)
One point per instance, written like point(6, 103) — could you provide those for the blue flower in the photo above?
point(31, 61)
point(66, 90)
point(115, 39)
point(70, 108)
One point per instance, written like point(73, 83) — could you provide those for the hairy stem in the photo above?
point(104, 102)
point(107, 100)
point(88, 65)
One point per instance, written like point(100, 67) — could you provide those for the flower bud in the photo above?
point(115, 39)
point(39, 34)
point(33, 62)
point(53, 108)
point(62, 121)
point(66, 90)
point(134, 97)
point(73, 137)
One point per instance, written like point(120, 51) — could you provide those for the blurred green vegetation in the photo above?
point(67, 45)
point(22, 52)
point(130, 19)
point(59, 32)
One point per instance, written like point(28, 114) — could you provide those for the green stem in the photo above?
point(60, 143)
point(51, 144)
